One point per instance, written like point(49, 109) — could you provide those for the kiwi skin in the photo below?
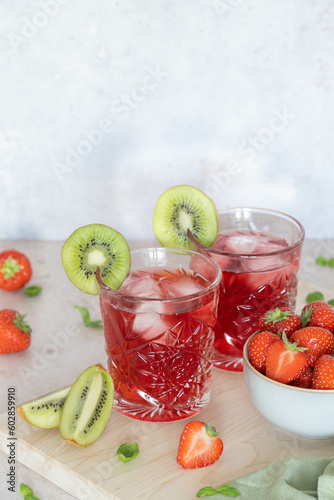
point(43, 422)
point(92, 247)
point(74, 404)
point(183, 208)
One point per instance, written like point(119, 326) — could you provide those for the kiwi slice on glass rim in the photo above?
point(93, 247)
point(181, 209)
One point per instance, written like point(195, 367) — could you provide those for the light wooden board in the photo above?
point(250, 442)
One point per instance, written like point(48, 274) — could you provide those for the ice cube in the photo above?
point(184, 285)
point(141, 285)
point(149, 326)
point(241, 243)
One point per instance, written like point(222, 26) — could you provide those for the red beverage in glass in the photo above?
point(159, 341)
point(259, 255)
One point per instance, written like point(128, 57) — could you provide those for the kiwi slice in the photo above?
point(183, 208)
point(45, 411)
point(93, 247)
point(87, 407)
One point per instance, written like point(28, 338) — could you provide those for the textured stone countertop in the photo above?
point(57, 355)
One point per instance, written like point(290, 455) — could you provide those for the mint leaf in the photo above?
point(31, 497)
point(25, 490)
point(227, 490)
point(312, 297)
point(321, 261)
point(207, 491)
point(127, 451)
point(331, 302)
point(32, 291)
point(86, 317)
point(331, 262)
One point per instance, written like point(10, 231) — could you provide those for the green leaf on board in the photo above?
point(321, 261)
point(32, 291)
point(86, 317)
point(313, 296)
point(128, 451)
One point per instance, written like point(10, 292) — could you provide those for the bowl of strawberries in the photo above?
point(289, 369)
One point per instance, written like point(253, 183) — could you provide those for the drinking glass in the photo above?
point(159, 336)
point(258, 251)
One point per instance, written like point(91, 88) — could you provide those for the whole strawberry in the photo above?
point(15, 270)
point(280, 320)
point(14, 332)
point(318, 341)
point(321, 315)
point(285, 361)
point(314, 305)
point(304, 380)
point(323, 377)
point(258, 347)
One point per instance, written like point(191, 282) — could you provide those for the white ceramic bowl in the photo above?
point(306, 413)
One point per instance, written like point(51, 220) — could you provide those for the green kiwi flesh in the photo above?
point(45, 411)
point(93, 247)
point(183, 208)
point(87, 407)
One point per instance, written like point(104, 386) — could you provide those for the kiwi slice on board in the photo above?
point(183, 208)
point(93, 247)
point(45, 411)
point(87, 407)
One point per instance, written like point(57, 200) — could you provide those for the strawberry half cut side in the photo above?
point(285, 361)
point(199, 446)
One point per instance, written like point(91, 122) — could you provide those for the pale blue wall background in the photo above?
point(104, 105)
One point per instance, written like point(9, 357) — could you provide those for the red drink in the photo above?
point(159, 342)
point(259, 270)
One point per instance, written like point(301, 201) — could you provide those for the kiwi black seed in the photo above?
point(44, 411)
point(183, 208)
point(93, 247)
point(87, 407)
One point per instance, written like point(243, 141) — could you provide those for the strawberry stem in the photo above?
point(21, 324)
point(9, 268)
point(293, 346)
point(306, 316)
point(211, 431)
point(277, 315)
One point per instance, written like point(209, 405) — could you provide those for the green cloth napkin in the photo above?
point(293, 479)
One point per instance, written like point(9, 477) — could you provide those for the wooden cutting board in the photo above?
point(250, 442)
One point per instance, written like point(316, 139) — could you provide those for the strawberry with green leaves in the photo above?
point(199, 445)
point(315, 305)
point(318, 314)
point(323, 378)
point(285, 361)
point(15, 270)
point(14, 332)
point(258, 347)
point(280, 320)
point(317, 340)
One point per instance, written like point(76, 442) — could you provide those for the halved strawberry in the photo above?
point(280, 320)
point(258, 347)
point(323, 377)
point(304, 380)
point(318, 341)
point(199, 445)
point(285, 361)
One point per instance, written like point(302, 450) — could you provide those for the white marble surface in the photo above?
point(62, 347)
point(106, 104)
